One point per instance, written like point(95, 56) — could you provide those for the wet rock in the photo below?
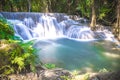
point(3, 77)
point(54, 74)
point(107, 76)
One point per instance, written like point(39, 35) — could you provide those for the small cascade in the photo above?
point(52, 25)
point(44, 26)
point(23, 31)
point(80, 32)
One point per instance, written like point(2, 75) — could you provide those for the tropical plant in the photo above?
point(50, 66)
point(103, 70)
point(6, 29)
point(16, 57)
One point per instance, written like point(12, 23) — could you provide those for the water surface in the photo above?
point(79, 55)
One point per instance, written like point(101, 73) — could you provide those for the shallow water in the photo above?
point(79, 55)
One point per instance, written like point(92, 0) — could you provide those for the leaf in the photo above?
point(19, 61)
point(26, 55)
point(50, 66)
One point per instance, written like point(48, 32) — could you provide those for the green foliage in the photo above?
point(103, 70)
point(29, 54)
point(65, 78)
point(6, 29)
point(86, 76)
point(104, 10)
point(75, 72)
point(16, 56)
point(50, 66)
point(84, 7)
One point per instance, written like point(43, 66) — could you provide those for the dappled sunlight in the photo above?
point(87, 69)
point(112, 55)
point(3, 46)
point(49, 74)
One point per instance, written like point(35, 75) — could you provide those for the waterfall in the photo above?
point(66, 42)
point(52, 25)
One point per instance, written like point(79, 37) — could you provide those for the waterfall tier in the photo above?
point(52, 25)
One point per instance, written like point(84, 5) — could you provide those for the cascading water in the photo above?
point(45, 27)
point(41, 25)
point(65, 42)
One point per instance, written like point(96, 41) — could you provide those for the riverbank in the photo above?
point(61, 74)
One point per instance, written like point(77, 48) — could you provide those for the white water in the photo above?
point(39, 25)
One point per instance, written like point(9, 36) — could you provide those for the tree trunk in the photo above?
point(11, 6)
point(93, 18)
point(2, 4)
point(118, 21)
point(45, 6)
point(50, 5)
point(29, 5)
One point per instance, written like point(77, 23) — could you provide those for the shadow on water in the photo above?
point(78, 55)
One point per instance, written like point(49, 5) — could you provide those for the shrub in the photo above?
point(16, 57)
point(50, 66)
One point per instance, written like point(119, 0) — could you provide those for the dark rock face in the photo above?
point(55, 74)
